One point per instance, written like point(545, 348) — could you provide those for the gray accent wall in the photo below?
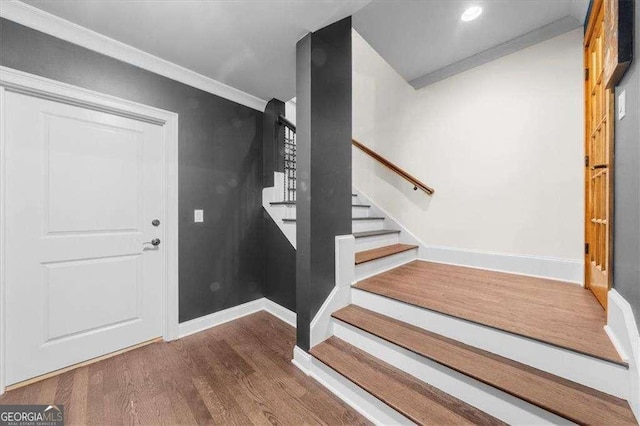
point(323, 207)
point(279, 265)
point(279, 254)
point(626, 237)
point(220, 164)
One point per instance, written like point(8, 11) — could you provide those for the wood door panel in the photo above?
point(598, 150)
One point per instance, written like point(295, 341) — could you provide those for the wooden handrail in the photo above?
point(285, 122)
point(388, 164)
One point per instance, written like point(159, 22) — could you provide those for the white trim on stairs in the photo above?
point(301, 359)
point(48, 23)
point(217, 318)
point(363, 402)
point(494, 402)
point(584, 369)
point(277, 213)
point(623, 331)
point(340, 296)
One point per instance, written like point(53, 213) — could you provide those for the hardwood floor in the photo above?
point(236, 373)
point(419, 401)
point(561, 314)
point(573, 401)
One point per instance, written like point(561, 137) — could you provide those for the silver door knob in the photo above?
point(155, 242)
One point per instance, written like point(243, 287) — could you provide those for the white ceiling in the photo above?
point(420, 37)
point(246, 44)
point(250, 44)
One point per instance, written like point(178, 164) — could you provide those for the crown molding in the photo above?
point(55, 26)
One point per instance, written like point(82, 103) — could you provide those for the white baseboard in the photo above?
point(567, 270)
point(200, 324)
point(623, 331)
point(279, 311)
point(302, 360)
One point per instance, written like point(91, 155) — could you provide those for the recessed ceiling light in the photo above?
point(472, 13)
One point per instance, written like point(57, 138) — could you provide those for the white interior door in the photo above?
point(82, 190)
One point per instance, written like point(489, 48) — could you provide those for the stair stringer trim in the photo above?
point(353, 395)
point(492, 401)
point(340, 296)
point(274, 194)
point(622, 326)
point(589, 371)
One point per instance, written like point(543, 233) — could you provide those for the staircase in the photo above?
point(428, 343)
point(407, 341)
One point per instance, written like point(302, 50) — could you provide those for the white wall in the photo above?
point(501, 144)
point(290, 110)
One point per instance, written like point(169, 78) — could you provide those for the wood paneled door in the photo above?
point(598, 160)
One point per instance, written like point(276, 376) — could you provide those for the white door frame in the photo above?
point(17, 81)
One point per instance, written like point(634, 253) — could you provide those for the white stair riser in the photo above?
point(589, 371)
point(360, 211)
point(367, 225)
point(377, 266)
point(289, 211)
point(484, 397)
point(368, 243)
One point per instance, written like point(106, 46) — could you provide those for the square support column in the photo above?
point(323, 136)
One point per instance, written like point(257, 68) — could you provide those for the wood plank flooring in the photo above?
point(570, 400)
point(380, 252)
point(565, 315)
point(416, 400)
point(236, 373)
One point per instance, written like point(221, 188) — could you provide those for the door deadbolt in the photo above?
point(155, 222)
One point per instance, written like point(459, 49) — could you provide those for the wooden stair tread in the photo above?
point(560, 314)
point(380, 252)
point(420, 402)
point(375, 233)
point(565, 398)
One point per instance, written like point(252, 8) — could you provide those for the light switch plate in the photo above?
point(198, 216)
point(622, 107)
